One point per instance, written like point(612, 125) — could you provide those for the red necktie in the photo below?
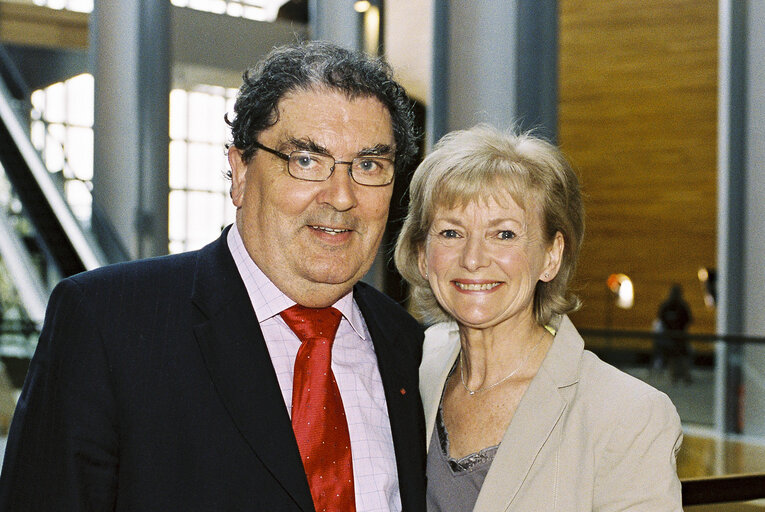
point(318, 417)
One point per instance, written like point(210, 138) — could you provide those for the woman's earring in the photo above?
point(547, 276)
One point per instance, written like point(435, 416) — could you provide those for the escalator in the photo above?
point(60, 234)
point(41, 240)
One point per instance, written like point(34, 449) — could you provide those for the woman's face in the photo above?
point(483, 260)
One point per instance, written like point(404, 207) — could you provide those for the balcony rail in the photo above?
point(649, 335)
point(723, 489)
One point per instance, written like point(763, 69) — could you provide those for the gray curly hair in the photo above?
point(316, 64)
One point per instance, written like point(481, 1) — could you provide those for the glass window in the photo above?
point(199, 202)
point(79, 100)
point(62, 130)
point(178, 114)
point(261, 10)
point(199, 205)
point(55, 104)
point(70, 5)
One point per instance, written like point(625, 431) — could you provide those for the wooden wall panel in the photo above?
point(637, 119)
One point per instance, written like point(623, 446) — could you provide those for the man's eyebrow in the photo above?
point(307, 144)
point(377, 150)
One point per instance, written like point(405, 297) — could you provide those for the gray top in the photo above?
point(454, 484)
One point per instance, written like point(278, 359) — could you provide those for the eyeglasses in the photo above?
point(372, 171)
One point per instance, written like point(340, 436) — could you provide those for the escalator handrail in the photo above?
point(20, 266)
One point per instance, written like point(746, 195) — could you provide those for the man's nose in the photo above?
point(339, 189)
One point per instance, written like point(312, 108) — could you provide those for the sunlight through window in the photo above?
point(199, 202)
point(261, 10)
point(61, 128)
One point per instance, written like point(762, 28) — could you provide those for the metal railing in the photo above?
point(723, 489)
point(649, 335)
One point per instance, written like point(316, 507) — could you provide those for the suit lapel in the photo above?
point(438, 357)
point(402, 397)
point(237, 359)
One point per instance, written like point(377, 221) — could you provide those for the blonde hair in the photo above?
point(471, 165)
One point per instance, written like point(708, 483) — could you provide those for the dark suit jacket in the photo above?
point(152, 389)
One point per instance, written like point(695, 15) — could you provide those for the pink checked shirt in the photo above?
point(354, 364)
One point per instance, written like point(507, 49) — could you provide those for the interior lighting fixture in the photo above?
point(708, 281)
point(362, 5)
point(621, 286)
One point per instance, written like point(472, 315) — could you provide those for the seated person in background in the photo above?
point(519, 416)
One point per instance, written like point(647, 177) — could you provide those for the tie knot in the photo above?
point(312, 323)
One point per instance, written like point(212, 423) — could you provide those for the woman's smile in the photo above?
point(472, 286)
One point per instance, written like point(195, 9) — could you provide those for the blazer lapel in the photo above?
point(540, 410)
point(530, 428)
point(534, 420)
point(237, 359)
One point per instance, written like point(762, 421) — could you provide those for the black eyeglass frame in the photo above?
point(286, 158)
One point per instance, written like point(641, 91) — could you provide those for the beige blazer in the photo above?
point(585, 437)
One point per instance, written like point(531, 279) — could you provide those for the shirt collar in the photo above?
point(268, 300)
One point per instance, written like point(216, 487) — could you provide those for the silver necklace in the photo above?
point(517, 369)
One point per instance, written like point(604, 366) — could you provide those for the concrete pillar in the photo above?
point(130, 55)
point(336, 21)
point(740, 402)
point(494, 62)
point(753, 368)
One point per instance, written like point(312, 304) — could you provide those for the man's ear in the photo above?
point(553, 258)
point(238, 175)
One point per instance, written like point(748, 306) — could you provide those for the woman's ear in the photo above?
point(238, 175)
point(553, 258)
point(422, 262)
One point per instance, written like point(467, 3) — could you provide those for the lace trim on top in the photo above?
point(469, 462)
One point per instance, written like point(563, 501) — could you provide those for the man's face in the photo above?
point(314, 240)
